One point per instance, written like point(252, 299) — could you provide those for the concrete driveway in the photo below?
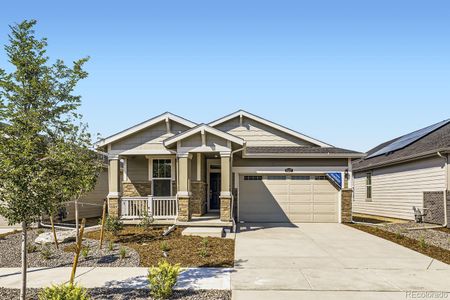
point(329, 261)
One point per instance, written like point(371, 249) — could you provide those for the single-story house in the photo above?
point(238, 168)
point(405, 174)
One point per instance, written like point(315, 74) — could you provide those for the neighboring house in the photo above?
point(240, 167)
point(406, 172)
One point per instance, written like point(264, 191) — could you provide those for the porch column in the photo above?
point(225, 193)
point(184, 211)
point(114, 186)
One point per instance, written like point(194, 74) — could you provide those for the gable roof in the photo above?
point(268, 123)
point(143, 125)
point(435, 141)
point(203, 128)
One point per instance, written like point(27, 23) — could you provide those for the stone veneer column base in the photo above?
point(346, 205)
point(114, 207)
point(184, 211)
point(225, 208)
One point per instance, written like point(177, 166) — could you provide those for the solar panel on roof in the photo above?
point(408, 139)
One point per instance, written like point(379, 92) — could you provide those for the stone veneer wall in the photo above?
point(346, 205)
point(225, 209)
point(198, 198)
point(137, 189)
point(434, 204)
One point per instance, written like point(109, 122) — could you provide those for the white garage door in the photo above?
point(296, 198)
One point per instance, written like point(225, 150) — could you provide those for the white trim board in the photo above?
point(163, 117)
point(268, 170)
point(242, 113)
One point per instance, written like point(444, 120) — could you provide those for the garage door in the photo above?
point(276, 198)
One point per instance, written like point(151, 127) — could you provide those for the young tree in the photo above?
point(39, 108)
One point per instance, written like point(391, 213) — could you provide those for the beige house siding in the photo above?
point(137, 168)
point(148, 139)
point(95, 197)
point(257, 134)
point(396, 189)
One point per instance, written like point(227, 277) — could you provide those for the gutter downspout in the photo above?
point(446, 187)
point(232, 196)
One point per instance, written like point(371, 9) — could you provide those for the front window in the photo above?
point(369, 186)
point(162, 177)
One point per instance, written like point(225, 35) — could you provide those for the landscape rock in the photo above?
point(62, 236)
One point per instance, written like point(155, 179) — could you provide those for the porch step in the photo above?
point(204, 231)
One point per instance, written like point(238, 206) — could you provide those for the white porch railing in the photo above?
point(158, 207)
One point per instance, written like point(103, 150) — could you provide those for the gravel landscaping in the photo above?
point(127, 294)
point(430, 236)
point(49, 256)
point(431, 242)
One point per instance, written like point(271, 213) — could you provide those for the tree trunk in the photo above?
point(54, 231)
point(76, 220)
point(24, 261)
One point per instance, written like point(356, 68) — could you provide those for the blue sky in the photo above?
point(351, 73)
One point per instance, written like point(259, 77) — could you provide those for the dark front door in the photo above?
point(214, 182)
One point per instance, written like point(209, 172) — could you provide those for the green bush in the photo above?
point(46, 253)
point(110, 246)
point(113, 225)
point(85, 251)
point(162, 279)
point(123, 252)
point(31, 248)
point(63, 292)
point(146, 220)
point(164, 246)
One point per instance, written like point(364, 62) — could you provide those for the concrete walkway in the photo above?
point(192, 278)
point(328, 261)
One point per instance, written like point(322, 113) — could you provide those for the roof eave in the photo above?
point(269, 123)
point(403, 159)
point(302, 155)
point(136, 128)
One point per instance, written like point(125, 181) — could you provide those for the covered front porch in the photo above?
point(188, 185)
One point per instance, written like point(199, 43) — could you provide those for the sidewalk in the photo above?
point(136, 278)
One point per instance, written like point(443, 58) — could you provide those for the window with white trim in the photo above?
point(162, 177)
point(369, 186)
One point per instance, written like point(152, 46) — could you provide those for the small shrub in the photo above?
point(162, 279)
point(203, 252)
point(113, 225)
point(40, 231)
point(85, 251)
point(146, 220)
point(64, 292)
point(399, 235)
point(204, 248)
point(164, 246)
point(110, 246)
point(422, 242)
point(46, 253)
point(31, 248)
point(122, 252)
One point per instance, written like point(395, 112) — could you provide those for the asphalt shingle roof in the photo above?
point(437, 140)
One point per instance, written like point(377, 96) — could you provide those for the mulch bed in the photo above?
point(126, 294)
point(10, 249)
point(188, 251)
point(416, 245)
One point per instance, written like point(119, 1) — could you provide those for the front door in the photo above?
point(214, 191)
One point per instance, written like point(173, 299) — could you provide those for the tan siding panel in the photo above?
point(258, 134)
point(396, 189)
point(95, 197)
